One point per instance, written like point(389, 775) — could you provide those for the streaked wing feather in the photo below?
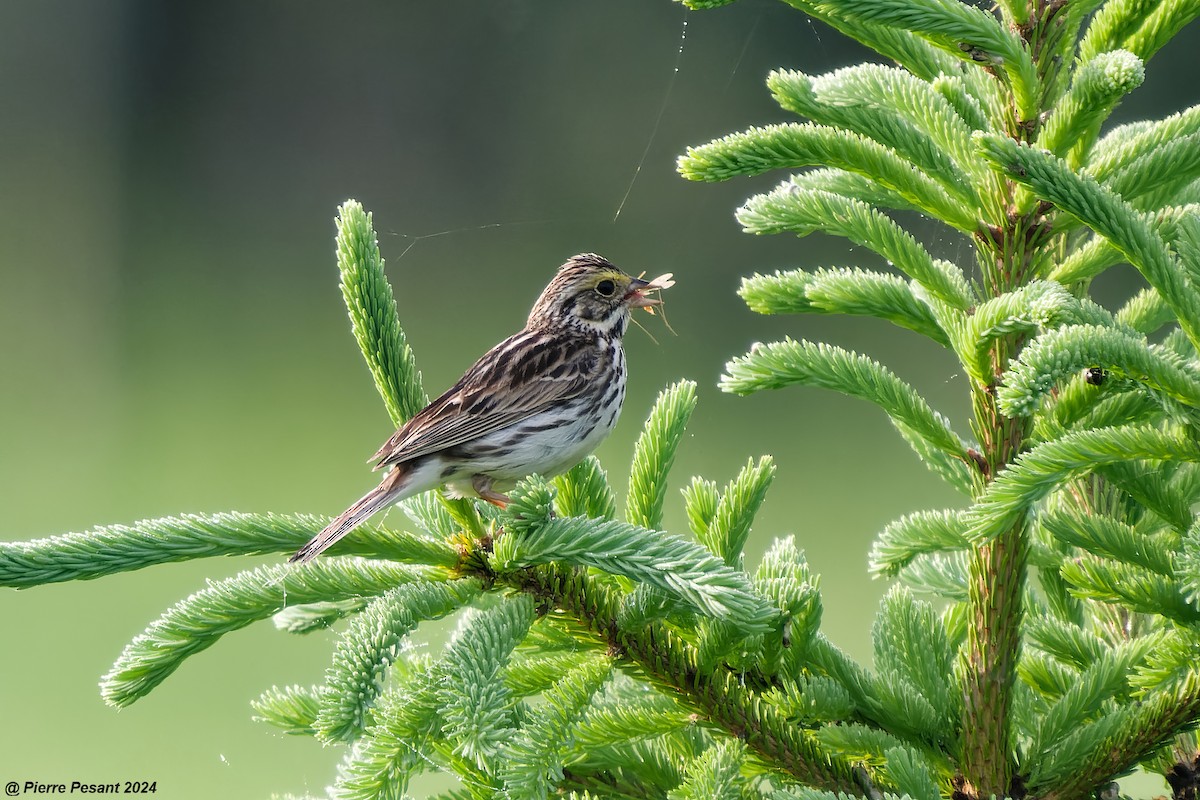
point(499, 390)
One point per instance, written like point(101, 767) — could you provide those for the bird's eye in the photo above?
point(606, 288)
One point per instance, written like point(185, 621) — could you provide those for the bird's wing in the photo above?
point(524, 374)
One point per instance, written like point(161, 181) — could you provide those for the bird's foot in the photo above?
point(482, 484)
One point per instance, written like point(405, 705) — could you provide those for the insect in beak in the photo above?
point(637, 297)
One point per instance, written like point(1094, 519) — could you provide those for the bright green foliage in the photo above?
point(310, 617)
point(1111, 538)
point(533, 761)
point(584, 491)
point(1061, 354)
point(785, 579)
point(1106, 213)
point(368, 297)
point(293, 709)
point(370, 646)
point(814, 698)
point(700, 500)
point(1042, 639)
point(476, 705)
point(628, 711)
point(919, 122)
point(619, 548)
point(1084, 419)
point(401, 741)
point(915, 664)
point(196, 623)
point(789, 146)
point(1044, 468)
point(655, 453)
point(550, 598)
point(789, 362)
point(795, 209)
point(916, 536)
point(842, 291)
point(713, 774)
point(911, 773)
point(1030, 309)
point(120, 548)
point(730, 523)
point(1096, 88)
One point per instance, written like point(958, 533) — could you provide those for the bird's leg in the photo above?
point(482, 484)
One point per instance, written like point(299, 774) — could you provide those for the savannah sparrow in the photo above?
point(537, 402)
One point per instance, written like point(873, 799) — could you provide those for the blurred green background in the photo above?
point(172, 338)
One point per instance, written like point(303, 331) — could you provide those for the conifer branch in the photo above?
point(110, 549)
point(1064, 640)
point(1158, 491)
point(850, 184)
point(584, 491)
point(842, 291)
point(790, 208)
point(1086, 698)
point(1105, 213)
point(667, 661)
point(197, 622)
point(1112, 538)
point(787, 363)
point(369, 647)
point(526, 675)
point(915, 666)
point(958, 473)
point(654, 558)
point(1036, 306)
point(784, 578)
point(621, 716)
point(311, 617)
point(714, 775)
point(1129, 586)
point(1112, 745)
point(700, 499)
point(912, 774)
point(894, 108)
point(1096, 88)
point(292, 709)
point(654, 453)
point(1064, 353)
point(1049, 465)
point(1123, 147)
point(792, 145)
point(892, 42)
point(729, 527)
point(964, 31)
point(1166, 20)
point(373, 314)
point(398, 743)
point(1111, 26)
point(475, 705)
point(913, 535)
point(1145, 312)
point(531, 762)
point(1087, 470)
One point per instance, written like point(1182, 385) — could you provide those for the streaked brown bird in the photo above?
point(539, 401)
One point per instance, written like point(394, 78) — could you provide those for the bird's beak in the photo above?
point(634, 298)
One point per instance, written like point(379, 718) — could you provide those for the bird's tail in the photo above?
point(391, 489)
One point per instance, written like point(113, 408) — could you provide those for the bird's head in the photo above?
point(590, 293)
